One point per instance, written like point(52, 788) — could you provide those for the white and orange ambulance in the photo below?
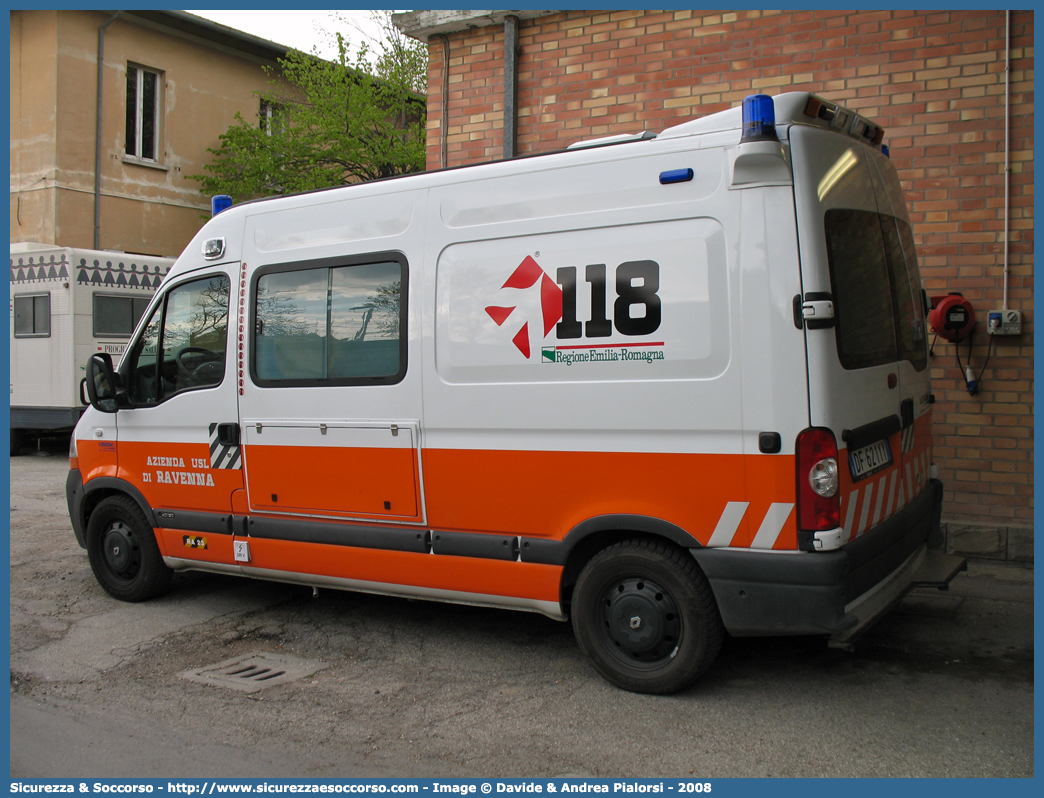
point(666, 385)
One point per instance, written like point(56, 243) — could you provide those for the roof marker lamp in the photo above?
point(759, 119)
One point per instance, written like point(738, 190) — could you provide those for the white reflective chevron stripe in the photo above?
point(729, 522)
point(867, 500)
point(891, 493)
point(908, 439)
point(853, 499)
point(880, 500)
point(901, 484)
point(772, 525)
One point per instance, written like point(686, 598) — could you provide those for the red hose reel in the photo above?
point(952, 317)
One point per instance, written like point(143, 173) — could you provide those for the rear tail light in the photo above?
point(818, 480)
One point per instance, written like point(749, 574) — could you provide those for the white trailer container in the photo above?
point(65, 305)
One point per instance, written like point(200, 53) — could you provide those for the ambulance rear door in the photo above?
point(867, 363)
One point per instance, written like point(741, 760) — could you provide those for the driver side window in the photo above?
point(182, 347)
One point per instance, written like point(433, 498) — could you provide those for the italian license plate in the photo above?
point(870, 459)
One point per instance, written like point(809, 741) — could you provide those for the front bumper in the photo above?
point(837, 593)
point(74, 498)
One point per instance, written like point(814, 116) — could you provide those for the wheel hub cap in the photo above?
point(642, 620)
point(118, 548)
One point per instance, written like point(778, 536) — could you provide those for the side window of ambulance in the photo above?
point(182, 347)
point(339, 325)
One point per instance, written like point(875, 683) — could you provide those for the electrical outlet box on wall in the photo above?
point(1004, 322)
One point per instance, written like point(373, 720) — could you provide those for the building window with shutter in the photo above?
point(144, 87)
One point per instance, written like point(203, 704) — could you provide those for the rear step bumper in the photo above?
point(834, 593)
point(924, 568)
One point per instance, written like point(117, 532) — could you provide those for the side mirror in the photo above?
point(102, 383)
point(85, 400)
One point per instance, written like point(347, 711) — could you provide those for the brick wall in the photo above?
point(934, 79)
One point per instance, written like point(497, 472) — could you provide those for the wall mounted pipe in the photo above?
point(98, 132)
point(444, 126)
point(510, 85)
point(1007, 145)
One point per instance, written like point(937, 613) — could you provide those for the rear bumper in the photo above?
point(837, 593)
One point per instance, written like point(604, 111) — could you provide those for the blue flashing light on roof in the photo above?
point(218, 203)
point(759, 119)
point(886, 151)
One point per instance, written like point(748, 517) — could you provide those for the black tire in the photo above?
point(644, 613)
point(122, 550)
point(17, 440)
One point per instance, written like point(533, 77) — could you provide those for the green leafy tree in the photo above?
point(344, 121)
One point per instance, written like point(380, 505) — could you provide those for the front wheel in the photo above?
point(643, 612)
point(123, 553)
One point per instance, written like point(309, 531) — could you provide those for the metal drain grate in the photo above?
point(253, 672)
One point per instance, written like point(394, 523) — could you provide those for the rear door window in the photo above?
point(906, 287)
point(865, 326)
point(873, 270)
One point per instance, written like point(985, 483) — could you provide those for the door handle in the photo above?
point(228, 434)
point(906, 411)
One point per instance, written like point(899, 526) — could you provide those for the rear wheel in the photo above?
point(123, 553)
point(644, 614)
